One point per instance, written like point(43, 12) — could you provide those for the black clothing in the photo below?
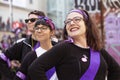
point(16, 52)
point(29, 58)
point(66, 57)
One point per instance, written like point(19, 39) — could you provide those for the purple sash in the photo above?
point(94, 66)
point(3, 57)
point(22, 75)
point(50, 73)
point(37, 45)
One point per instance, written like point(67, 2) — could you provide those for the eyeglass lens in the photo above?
point(31, 20)
point(75, 20)
point(41, 28)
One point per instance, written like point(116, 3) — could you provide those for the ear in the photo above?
point(52, 33)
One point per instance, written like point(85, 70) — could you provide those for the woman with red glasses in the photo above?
point(19, 49)
point(80, 56)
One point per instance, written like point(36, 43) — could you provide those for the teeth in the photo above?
point(73, 29)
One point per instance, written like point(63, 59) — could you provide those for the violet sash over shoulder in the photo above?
point(21, 75)
point(51, 74)
point(93, 67)
point(37, 45)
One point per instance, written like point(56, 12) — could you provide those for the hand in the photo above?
point(15, 64)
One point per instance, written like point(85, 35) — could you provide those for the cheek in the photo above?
point(35, 33)
point(83, 30)
point(67, 28)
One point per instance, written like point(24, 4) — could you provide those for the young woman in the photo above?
point(44, 29)
point(81, 57)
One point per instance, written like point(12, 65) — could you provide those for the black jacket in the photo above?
point(16, 52)
point(68, 61)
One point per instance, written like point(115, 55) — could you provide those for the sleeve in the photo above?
point(5, 58)
point(113, 66)
point(42, 64)
point(22, 71)
point(14, 52)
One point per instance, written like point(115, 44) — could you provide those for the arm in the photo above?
point(45, 62)
point(113, 66)
point(5, 58)
point(22, 71)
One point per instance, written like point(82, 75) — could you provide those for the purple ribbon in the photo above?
point(49, 21)
point(50, 72)
point(3, 57)
point(21, 75)
point(80, 12)
point(37, 45)
point(94, 66)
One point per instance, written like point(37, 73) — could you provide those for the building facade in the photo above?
point(19, 9)
point(57, 10)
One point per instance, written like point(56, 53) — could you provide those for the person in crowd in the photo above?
point(14, 55)
point(44, 30)
point(80, 56)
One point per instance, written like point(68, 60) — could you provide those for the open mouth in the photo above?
point(74, 29)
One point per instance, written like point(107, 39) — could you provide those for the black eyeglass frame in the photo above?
point(31, 20)
point(75, 20)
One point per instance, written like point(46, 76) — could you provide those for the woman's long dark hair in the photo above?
point(92, 33)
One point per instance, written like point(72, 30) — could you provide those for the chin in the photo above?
point(73, 34)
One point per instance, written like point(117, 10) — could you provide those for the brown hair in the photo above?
point(92, 33)
point(36, 12)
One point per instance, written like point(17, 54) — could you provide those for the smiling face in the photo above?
point(43, 33)
point(30, 24)
point(75, 25)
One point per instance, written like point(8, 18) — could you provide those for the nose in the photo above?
point(72, 22)
point(29, 21)
point(39, 30)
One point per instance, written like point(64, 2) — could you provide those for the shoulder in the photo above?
point(61, 46)
point(109, 58)
point(30, 55)
point(104, 53)
point(20, 40)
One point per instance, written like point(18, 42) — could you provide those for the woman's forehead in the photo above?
point(73, 14)
point(33, 16)
point(40, 25)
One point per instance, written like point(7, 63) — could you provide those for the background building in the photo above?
point(57, 10)
point(20, 8)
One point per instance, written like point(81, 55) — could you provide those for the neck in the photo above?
point(33, 37)
point(46, 44)
point(81, 42)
